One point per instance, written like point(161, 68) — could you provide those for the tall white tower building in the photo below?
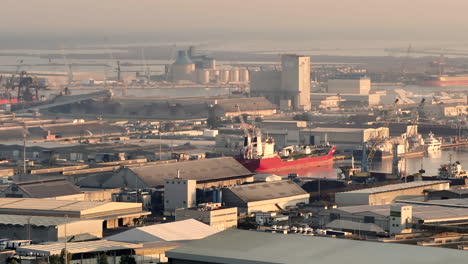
point(401, 217)
point(295, 81)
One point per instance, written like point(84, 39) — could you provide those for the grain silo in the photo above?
point(183, 68)
point(203, 76)
point(244, 75)
point(234, 75)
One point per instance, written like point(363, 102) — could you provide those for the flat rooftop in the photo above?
point(334, 129)
point(51, 207)
point(396, 187)
point(421, 211)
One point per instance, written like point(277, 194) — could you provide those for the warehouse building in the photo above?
point(388, 193)
point(256, 106)
point(342, 138)
point(178, 231)
point(215, 172)
point(113, 214)
point(249, 247)
point(265, 196)
point(348, 84)
point(284, 132)
point(446, 194)
point(386, 216)
point(82, 252)
point(60, 131)
point(49, 229)
point(345, 100)
point(48, 188)
point(212, 214)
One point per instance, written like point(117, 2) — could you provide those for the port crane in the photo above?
point(379, 139)
point(247, 137)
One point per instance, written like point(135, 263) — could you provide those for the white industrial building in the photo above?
point(265, 196)
point(295, 80)
point(388, 193)
point(394, 218)
point(342, 138)
point(49, 229)
point(284, 132)
point(178, 231)
point(212, 214)
point(326, 99)
point(179, 193)
point(349, 85)
point(288, 87)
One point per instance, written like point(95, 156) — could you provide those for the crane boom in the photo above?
point(381, 138)
point(241, 118)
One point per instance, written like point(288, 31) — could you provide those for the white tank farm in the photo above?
point(234, 75)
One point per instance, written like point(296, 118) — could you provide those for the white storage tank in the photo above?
point(224, 77)
point(214, 75)
point(203, 76)
point(244, 75)
point(234, 75)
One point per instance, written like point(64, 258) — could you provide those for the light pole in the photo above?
point(65, 255)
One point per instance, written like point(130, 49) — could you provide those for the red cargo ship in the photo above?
point(259, 156)
point(277, 163)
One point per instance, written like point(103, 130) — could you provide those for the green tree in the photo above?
point(62, 256)
point(126, 259)
point(55, 259)
point(102, 259)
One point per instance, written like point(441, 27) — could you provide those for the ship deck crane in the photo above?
point(247, 137)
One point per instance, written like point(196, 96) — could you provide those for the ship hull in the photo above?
point(445, 83)
point(8, 101)
point(275, 164)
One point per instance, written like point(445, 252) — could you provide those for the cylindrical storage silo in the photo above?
point(234, 76)
point(244, 75)
point(214, 75)
point(203, 76)
point(224, 77)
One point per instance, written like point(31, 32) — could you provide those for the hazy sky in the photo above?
point(122, 16)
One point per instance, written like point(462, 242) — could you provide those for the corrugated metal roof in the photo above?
point(76, 247)
point(420, 211)
point(249, 247)
point(350, 225)
point(189, 229)
point(34, 206)
point(267, 190)
point(396, 187)
point(48, 188)
point(200, 170)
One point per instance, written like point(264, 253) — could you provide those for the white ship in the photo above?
point(432, 144)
